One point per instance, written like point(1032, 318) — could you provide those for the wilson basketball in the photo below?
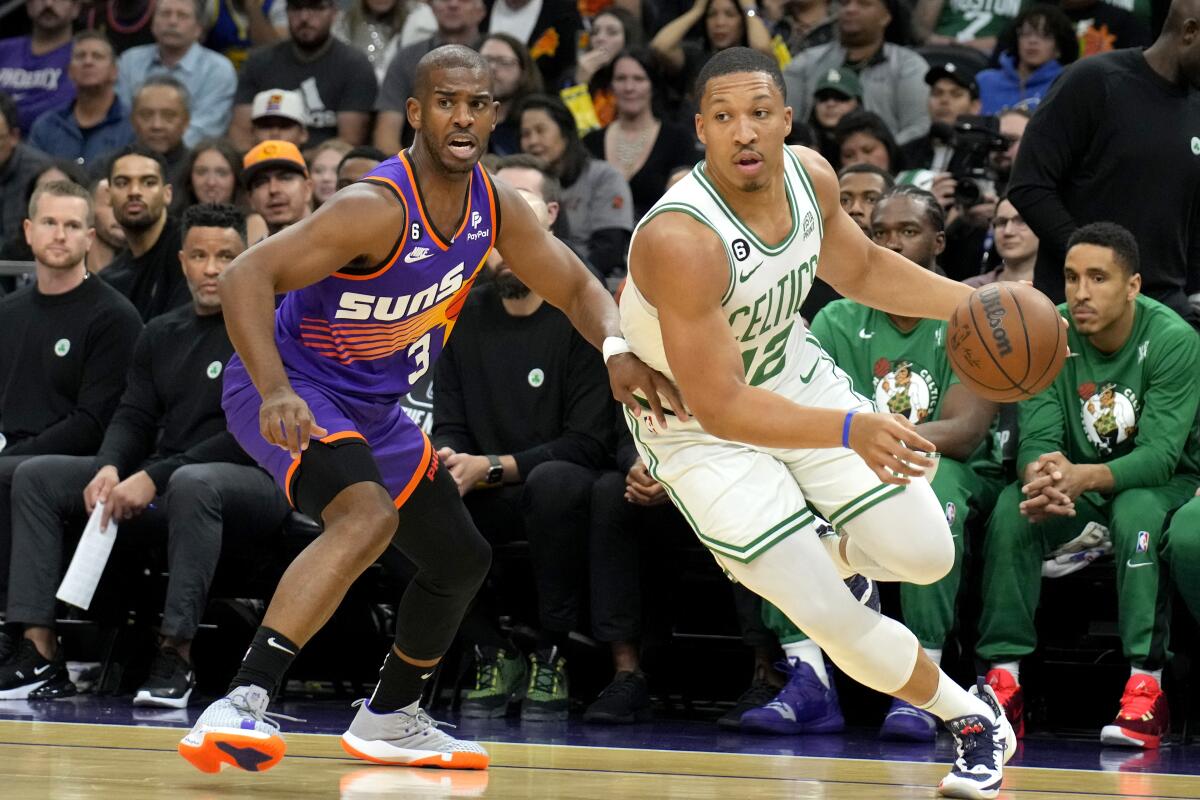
point(1006, 341)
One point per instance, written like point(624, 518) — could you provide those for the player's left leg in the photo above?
point(1142, 604)
point(452, 558)
point(901, 531)
point(929, 611)
point(882, 654)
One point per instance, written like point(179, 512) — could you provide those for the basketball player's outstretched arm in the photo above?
point(862, 270)
point(359, 223)
point(706, 362)
point(549, 268)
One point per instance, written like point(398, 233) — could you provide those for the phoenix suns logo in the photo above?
point(904, 388)
point(1109, 414)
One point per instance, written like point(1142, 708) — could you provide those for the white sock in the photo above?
point(935, 654)
point(1153, 673)
point(951, 701)
point(1013, 667)
point(809, 653)
point(832, 544)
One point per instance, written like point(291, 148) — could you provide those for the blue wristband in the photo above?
point(846, 429)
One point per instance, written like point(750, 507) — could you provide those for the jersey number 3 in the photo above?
point(418, 351)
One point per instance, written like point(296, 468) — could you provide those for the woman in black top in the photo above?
point(643, 147)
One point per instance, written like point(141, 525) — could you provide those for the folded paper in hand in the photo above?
point(87, 565)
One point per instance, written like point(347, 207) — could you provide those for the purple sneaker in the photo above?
point(907, 723)
point(804, 705)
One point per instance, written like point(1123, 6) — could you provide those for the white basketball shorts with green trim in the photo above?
point(741, 499)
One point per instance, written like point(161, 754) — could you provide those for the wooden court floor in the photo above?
point(65, 760)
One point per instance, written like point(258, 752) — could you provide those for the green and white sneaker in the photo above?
point(499, 681)
point(548, 695)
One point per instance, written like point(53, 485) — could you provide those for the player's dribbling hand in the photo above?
point(627, 372)
point(891, 446)
point(286, 421)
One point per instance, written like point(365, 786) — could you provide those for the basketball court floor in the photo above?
point(100, 748)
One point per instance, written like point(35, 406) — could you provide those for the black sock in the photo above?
point(269, 656)
point(400, 684)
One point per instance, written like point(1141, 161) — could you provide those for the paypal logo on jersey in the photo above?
point(355, 305)
point(473, 235)
point(476, 218)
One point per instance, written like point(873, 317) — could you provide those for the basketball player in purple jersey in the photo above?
point(375, 280)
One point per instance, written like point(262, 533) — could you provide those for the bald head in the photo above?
point(1176, 54)
point(447, 57)
point(1178, 15)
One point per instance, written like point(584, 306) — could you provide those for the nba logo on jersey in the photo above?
point(1143, 541)
point(476, 218)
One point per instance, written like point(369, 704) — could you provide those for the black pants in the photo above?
point(202, 507)
point(550, 511)
point(8, 467)
point(626, 543)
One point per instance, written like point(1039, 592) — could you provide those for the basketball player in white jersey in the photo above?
point(718, 270)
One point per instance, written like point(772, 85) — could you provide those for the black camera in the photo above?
point(975, 140)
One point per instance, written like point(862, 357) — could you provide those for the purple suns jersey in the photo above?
point(375, 331)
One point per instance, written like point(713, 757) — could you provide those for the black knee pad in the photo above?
point(326, 469)
point(435, 510)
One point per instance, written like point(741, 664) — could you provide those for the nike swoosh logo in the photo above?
point(417, 254)
point(272, 643)
point(427, 676)
point(743, 277)
point(41, 669)
point(862, 333)
point(1132, 565)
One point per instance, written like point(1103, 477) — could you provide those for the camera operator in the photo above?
point(967, 191)
point(977, 140)
point(952, 93)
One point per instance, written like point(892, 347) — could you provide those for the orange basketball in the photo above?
point(1006, 341)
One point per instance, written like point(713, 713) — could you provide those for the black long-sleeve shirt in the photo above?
point(63, 359)
point(170, 414)
point(529, 387)
point(153, 281)
point(1115, 141)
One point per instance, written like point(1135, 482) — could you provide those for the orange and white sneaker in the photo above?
point(234, 731)
point(1010, 696)
point(1143, 718)
point(397, 738)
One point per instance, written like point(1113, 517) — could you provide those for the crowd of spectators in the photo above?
point(145, 143)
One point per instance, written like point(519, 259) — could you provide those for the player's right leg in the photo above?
point(337, 481)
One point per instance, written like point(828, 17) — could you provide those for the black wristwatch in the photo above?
point(495, 473)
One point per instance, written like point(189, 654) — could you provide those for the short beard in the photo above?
point(509, 286)
point(137, 225)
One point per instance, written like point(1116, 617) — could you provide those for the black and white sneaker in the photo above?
point(29, 676)
point(864, 590)
point(984, 746)
point(170, 683)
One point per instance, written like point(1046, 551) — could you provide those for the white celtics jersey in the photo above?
point(767, 284)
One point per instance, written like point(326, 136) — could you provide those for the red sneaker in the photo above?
point(1012, 700)
point(1143, 718)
